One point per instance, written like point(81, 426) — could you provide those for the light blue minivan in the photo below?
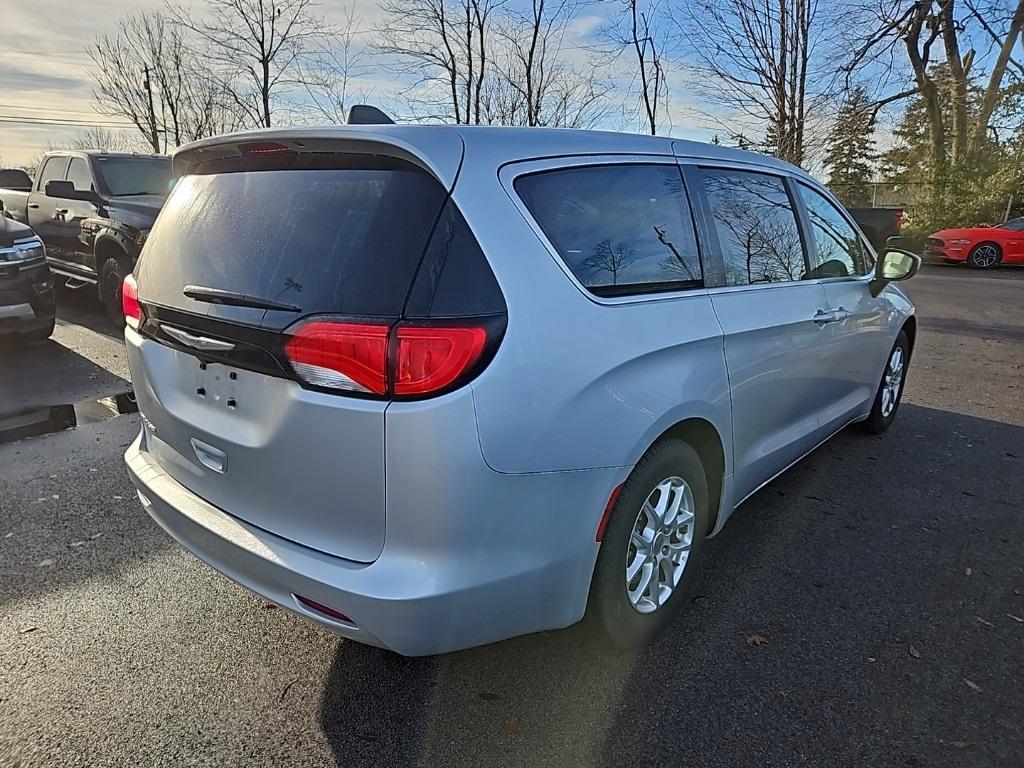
point(436, 386)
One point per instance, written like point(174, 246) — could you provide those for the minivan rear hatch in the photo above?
point(248, 244)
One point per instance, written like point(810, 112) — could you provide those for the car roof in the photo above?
point(499, 144)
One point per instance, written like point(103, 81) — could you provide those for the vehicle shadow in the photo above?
point(81, 307)
point(835, 622)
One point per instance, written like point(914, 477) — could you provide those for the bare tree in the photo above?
point(132, 64)
point(637, 33)
point(548, 90)
point(256, 47)
point(767, 59)
point(148, 73)
point(610, 257)
point(444, 46)
point(330, 70)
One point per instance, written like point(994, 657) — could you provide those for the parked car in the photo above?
point(880, 225)
point(436, 386)
point(27, 307)
point(981, 247)
point(15, 180)
point(93, 211)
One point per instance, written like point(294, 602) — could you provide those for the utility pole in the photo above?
point(154, 140)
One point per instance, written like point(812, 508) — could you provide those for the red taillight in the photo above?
point(316, 607)
point(431, 358)
point(262, 148)
point(374, 359)
point(349, 356)
point(130, 302)
point(901, 218)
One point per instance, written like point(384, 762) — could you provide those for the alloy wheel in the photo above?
point(659, 544)
point(986, 255)
point(892, 382)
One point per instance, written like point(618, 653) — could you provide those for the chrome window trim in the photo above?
point(509, 172)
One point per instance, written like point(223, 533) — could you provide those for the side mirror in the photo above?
point(894, 241)
point(894, 264)
point(65, 190)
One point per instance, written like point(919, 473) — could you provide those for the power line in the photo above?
point(72, 123)
point(60, 111)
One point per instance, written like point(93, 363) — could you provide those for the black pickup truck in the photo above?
point(93, 211)
point(879, 224)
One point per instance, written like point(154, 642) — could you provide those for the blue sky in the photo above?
point(44, 71)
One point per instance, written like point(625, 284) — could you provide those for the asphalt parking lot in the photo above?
point(866, 608)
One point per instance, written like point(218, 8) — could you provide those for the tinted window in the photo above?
point(14, 178)
point(756, 227)
point(1017, 225)
point(454, 279)
point(79, 175)
point(342, 240)
point(620, 229)
point(135, 175)
point(838, 248)
point(53, 170)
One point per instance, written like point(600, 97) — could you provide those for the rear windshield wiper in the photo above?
point(220, 296)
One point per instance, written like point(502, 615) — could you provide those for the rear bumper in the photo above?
point(409, 600)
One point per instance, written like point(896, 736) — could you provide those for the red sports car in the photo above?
point(981, 247)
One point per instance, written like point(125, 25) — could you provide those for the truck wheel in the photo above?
point(112, 275)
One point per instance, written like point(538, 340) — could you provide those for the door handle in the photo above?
point(821, 317)
point(842, 313)
point(62, 211)
point(33, 205)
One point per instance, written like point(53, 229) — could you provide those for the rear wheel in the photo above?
point(112, 276)
point(652, 546)
point(890, 389)
point(985, 256)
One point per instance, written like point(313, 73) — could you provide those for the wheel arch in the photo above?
point(107, 247)
point(707, 441)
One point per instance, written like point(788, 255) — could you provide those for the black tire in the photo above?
point(981, 256)
point(610, 614)
point(40, 335)
point(112, 275)
point(878, 421)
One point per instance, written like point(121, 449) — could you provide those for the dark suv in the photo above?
point(27, 305)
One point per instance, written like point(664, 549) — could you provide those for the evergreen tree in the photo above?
point(850, 151)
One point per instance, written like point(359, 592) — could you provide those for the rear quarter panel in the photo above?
point(578, 382)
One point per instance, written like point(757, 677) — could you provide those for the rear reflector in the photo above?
point(347, 356)
point(603, 525)
point(130, 302)
point(430, 359)
point(316, 607)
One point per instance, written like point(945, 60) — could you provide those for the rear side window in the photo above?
point(621, 229)
point(345, 239)
point(53, 170)
point(14, 178)
point(79, 174)
point(757, 229)
point(454, 279)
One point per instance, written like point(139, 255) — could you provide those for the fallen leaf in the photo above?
point(967, 571)
point(95, 536)
point(1016, 618)
point(1016, 590)
point(9, 535)
point(513, 726)
point(982, 621)
point(756, 639)
point(287, 688)
point(962, 744)
point(77, 543)
point(973, 686)
point(26, 630)
point(55, 496)
point(914, 652)
point(118, 498)
point(43, 563)
point(872, 659)
point(269, 607)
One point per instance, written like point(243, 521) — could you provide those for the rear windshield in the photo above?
point(125, 176)
point(343, 240)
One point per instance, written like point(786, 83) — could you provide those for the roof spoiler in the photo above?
point(364, 114)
